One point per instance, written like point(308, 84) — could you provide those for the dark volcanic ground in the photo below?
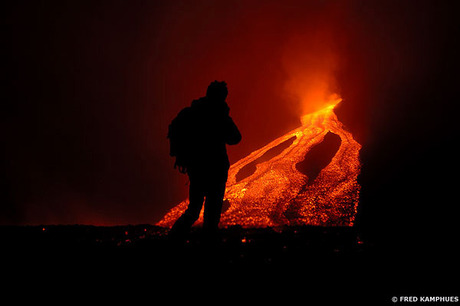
point(327, 264)
point(234, 245)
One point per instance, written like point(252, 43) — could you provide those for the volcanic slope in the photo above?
point(306, 177)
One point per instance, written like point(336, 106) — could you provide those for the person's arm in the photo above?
point(232, 134)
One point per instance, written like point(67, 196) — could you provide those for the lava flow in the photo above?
point(270, 187)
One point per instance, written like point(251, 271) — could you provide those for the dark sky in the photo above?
point(91, 86)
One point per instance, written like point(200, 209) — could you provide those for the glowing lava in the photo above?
point(276, 193)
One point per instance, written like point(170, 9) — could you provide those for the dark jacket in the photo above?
point(213, 129)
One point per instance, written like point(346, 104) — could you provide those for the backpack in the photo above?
point(180, 139)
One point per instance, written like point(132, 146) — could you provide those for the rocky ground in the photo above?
point(234, 245)
point(330, 265)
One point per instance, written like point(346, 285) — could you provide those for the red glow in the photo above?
point(278, 194)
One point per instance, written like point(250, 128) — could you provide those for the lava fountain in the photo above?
point(291, 181)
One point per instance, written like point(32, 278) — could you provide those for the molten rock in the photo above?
point(306, 177)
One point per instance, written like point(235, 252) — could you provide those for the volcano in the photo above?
point(306, 177)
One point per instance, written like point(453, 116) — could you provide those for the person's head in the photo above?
point(217, 91)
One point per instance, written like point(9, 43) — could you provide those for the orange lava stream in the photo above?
point(277, 194)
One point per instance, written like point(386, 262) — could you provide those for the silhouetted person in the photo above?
point(202, 154)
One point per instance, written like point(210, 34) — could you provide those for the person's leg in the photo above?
point(213, 206)
point(196, 197)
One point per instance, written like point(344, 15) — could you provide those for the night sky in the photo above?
point(91, 86)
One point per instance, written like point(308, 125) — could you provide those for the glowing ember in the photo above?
point(276, 193)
